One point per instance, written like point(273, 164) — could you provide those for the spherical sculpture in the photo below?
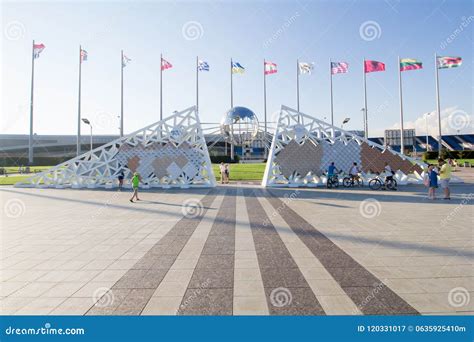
point(239, 125)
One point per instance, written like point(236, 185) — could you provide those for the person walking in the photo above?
point(222, 171)
point(121, 176)
point(433, 176)
point(445, 177)
point(227, 173)
point(135, 184)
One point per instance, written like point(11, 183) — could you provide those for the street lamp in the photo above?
point(346, 120)
point(426, 126)
point(87, 122)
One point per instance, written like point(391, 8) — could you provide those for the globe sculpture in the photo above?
point(239, 126)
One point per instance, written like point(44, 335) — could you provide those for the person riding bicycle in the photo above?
point(332, 176)
point(354, 172)
point(388, 173)
point(332, 170)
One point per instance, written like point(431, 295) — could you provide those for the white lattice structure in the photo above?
point(168, 153)
point(303, 147)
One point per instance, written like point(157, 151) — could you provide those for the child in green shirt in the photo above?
point(135, 184)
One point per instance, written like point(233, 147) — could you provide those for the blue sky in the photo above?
point(247, 31)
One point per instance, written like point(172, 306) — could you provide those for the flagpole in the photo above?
point(231, 87)
point(121, 95)
point(78, 147)
point(197, 83)
point(265, 106)
point(366, 124)
point(161, 87)
point(402, 145)
point(231, 106)
point(30, 139)
point(297, 85)
point(438, 109)
point(332, 106)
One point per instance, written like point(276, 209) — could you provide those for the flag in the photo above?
point(37, 49)
point(125, 61)
point(410, 64)
point(165, 64)
point(203, 66)
point(449, 62)
point(270, 68)
point(237, 68)
point(339, 67)
point(372, 66)
point(83, 55)
point(306, 68)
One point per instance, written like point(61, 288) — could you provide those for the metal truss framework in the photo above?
point(303, 147)
point(168, 153)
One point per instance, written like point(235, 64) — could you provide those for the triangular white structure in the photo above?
point(168, 153)
point(303, 147)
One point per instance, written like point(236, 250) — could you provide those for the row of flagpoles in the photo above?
point(441, 62)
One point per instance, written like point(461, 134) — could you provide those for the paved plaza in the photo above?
point(236, 250)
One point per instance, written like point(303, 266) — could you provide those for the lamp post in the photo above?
point(346, 120)
point(87, 122)
point(426, 126)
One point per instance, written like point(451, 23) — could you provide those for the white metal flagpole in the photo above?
point(298, 85)
point(402, 145)
point(78, 147)
point(366, 124)
point(265, 107)
point(332, 106)
point(197, 83)
point(121, 95)
point(438, 109)
point(161, 87)
point(231, 86)
point(30, 139)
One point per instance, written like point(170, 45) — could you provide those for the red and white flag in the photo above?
point(270, 68)
point(339, 67)
point(37, 49)
point(83, 55)
point(165, 64)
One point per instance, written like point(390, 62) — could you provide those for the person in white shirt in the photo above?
point(388, 172)
point(223, 174)
point(354, 171)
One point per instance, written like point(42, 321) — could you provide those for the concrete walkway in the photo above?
point(236, 250)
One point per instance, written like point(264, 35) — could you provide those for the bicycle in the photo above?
point(351, 181)
point(377, 184)
point(332, 181)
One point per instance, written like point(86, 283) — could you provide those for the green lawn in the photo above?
point(460, 161)
point(238, 172)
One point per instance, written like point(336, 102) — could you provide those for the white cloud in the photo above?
point(453, 120)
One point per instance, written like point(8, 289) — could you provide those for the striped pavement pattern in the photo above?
point(248, 253)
